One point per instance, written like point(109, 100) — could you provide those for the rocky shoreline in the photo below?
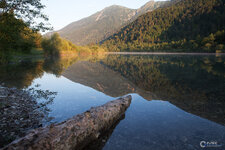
point(20, 111)
point(79, 131)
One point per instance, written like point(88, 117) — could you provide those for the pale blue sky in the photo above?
point(63, 12)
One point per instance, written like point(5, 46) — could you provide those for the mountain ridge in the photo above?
point(104, 23)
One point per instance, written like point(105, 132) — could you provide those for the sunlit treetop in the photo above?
point(28, 11)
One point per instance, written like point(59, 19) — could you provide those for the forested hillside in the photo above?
point(197, 25)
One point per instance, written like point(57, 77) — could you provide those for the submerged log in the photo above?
point(77, 132)
point(103, 138)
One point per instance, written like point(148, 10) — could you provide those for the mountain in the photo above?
point(184, 24)
point(104, 23)
point(150, 6)
point(98, 26)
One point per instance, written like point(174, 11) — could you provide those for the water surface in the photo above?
point(178, 100)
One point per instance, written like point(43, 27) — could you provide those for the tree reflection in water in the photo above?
point(192, 83)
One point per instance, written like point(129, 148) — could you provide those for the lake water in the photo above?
point(178, 101)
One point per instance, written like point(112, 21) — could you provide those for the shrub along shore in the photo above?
point(56, 46)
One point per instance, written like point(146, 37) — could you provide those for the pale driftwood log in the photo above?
point(76, 132)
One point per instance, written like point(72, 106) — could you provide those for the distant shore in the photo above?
point(162, 53)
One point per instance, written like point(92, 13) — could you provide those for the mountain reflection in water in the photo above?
point(184, 95)
point(193, 83)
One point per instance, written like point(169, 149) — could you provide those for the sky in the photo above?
point(64, 12)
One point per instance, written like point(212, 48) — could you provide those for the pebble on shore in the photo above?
point(20, 112)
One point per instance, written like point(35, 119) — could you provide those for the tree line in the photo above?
point(55, 46)
point(186, 25)
point(20, 33)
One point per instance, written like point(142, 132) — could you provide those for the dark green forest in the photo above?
point(16, 37)
point(194, 25)
point(19, 32)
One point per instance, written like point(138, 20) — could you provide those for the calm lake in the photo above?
point(178, 101)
